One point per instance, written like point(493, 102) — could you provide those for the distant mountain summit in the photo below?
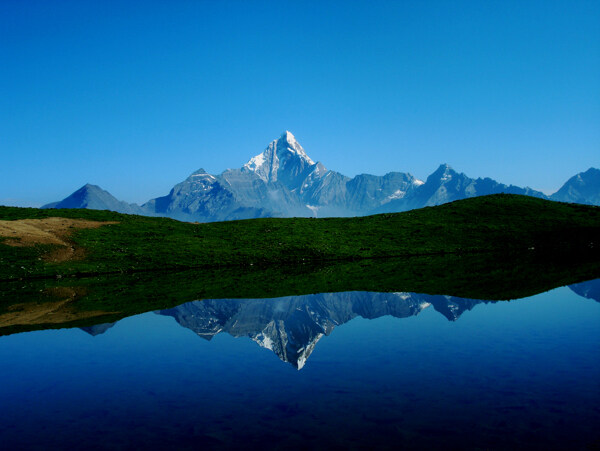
point(583, 188)
point(283, 181)
point(95, 198)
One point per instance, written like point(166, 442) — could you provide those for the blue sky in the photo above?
point(134, 96)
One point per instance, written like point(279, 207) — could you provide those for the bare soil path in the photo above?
point(29, 232)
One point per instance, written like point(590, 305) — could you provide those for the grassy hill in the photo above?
point(497, 223)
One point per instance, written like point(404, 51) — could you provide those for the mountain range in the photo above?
point(283, 181)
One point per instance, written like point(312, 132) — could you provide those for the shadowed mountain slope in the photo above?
point(583, 188)
point(95, 198)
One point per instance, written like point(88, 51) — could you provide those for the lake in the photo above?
point(356, 370)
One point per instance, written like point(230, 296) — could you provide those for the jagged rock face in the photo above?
point(247, 188)
point(325, 194)
point(292, 326)
point(251, 191)
point(583, 188)
point(95, 198)
point(283, 181)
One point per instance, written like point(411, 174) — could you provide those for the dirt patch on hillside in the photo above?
point(29, 232)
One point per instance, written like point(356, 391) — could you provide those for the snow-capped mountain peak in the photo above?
point(280, 156)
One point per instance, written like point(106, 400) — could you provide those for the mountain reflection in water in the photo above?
point(292, 326)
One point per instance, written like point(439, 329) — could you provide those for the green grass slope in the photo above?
point(497, 223)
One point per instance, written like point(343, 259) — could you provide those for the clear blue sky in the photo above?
point(134, 96)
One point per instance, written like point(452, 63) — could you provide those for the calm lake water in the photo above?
point(339, 370)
